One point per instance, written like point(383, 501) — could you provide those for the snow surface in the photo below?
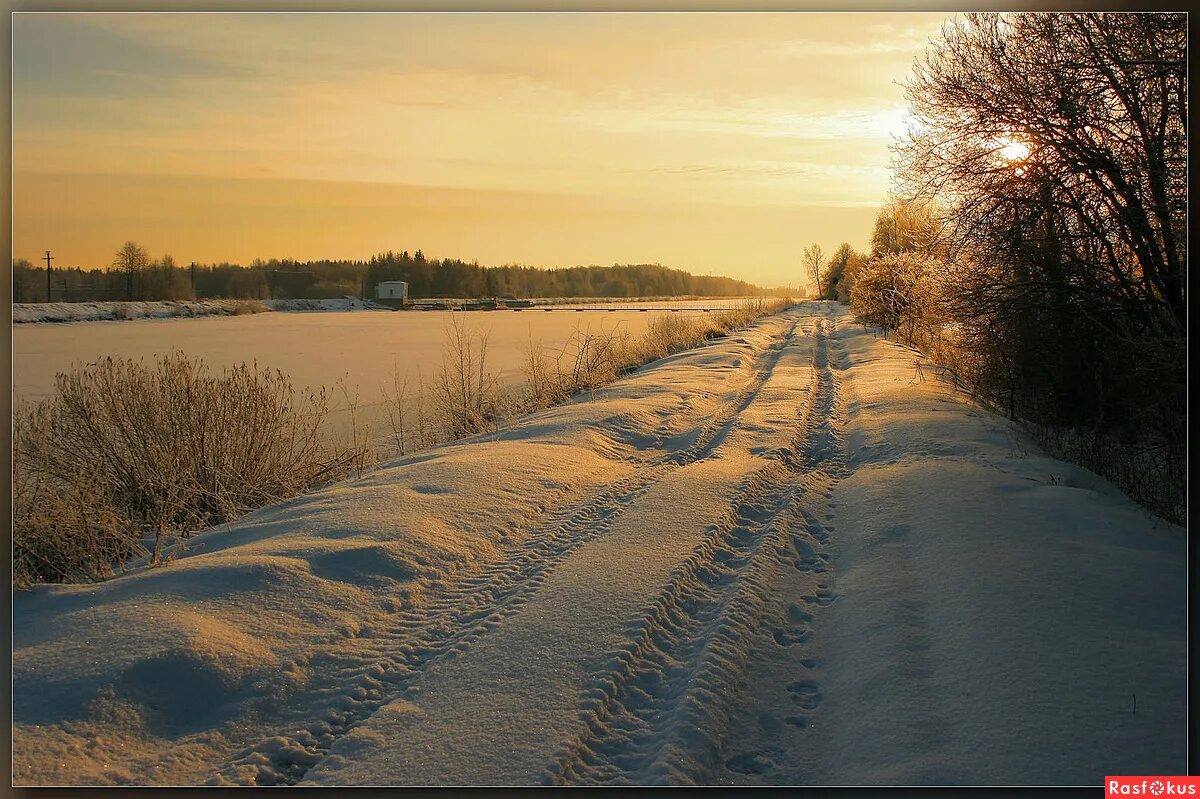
point(780, 558)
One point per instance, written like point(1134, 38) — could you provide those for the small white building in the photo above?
point(391, 290)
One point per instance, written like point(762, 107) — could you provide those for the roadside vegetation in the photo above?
point(465, 398)
point(127, 459)
point(1037, 246)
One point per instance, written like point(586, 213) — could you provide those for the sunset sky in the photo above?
point(720, 143)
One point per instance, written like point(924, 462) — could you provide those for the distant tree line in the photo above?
point(1040, 245)
point(454, 278)
point(135, 275)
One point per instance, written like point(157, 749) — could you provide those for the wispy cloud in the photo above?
point(66, 55)
point(733, 171)
point(668, 111)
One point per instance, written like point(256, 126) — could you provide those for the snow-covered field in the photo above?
point(362, 350)
point(780, 558)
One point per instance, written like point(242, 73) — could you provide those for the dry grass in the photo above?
point(125, 451)
point(244, 307)
point(406, 414)
point(585, 362)
point(466, 398)
point(589, 360)
point(65, 530)
point(463, 398)
point(465, 394)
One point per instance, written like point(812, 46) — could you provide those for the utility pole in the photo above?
point(193, 270)
point(49, 258)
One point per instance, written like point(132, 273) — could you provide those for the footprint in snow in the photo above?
point(819, 533)
point(753, 762)
point(812, 565)
point(791, 637)
point(823, 597)
point(802, 548)
point(798, 615)
point(806, 694)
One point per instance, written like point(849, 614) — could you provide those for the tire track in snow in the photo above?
point(769, 739)
point(661, 717)
point(478, 602)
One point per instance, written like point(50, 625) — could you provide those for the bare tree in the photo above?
point(130, 259)
point(1056, 146)
point(1073, 124)
point(814, 260)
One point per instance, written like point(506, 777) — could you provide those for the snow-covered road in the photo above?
point(786, 557)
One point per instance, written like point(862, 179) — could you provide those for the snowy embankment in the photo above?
point(164, 309)
point(780, 558)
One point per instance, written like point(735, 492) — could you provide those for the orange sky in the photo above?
point(709, 142)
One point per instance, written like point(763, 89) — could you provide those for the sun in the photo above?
point(1012, 150)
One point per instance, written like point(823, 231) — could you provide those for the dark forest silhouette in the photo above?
point(134, 276)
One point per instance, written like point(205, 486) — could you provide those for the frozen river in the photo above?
point(363, 349)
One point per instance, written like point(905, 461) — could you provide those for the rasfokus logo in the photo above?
point(1151, 786)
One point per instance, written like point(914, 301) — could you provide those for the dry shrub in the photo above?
point(466, 395)
point(902, 292)
point(727, 321)
point(244, 307)
point(543, 387)
point(668, 334)
point(463, 398)
point(586, 361)
point(410, 423)
point(63, 532)
point(123, 451)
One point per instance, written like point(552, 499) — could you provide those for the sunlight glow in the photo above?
point(1012, 150)
point(480, 136)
